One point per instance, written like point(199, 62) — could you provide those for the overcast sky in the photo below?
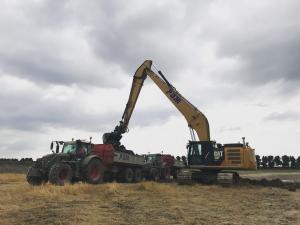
point(66, 69)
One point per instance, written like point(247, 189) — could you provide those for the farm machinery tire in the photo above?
point(138, 175)
point(166, 173)
point(154, 174)
point(93, 173)
point(34, 176)
point(128, 175)
point(60, 174)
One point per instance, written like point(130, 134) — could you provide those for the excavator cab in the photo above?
point(210, 155)
point(204, 153)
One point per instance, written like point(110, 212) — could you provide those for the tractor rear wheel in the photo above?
point(34, 177)
point(60, 174)
point(138, 176)
point(93, 173)
point(128, 175)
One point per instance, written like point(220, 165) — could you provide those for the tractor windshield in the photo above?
point(69, 148)
point(151, 158)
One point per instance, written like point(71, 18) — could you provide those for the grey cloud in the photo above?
point(41, 42)
point(151, 116)
point(38, 114)
point(229, 128)
point(45, 68)
point(122, 35)
point(265, 39)
point(17, 146)
point(261, 104)
point(283, 117)
point(266, 43)
point(125, 38)
point(29, 110)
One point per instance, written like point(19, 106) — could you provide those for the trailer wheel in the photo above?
point(166, 173)
point(60, 174)
point(175, 174)
point(128, 175)
point(138, 176)
point(154, 174)
point(93, 173)
point(34, 177)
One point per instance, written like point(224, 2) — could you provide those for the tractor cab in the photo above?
point(206, 153)
point(77, 147)
point(153, 159)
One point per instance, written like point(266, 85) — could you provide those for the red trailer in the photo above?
point(122, 165)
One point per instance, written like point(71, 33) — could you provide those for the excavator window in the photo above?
point(195, 153)
point(201, 153)
point(196, 149)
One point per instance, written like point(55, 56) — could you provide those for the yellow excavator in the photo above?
point(207, 161)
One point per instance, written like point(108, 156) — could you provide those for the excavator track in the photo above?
point(184, 177)
point(230, 178)
point(291, 185)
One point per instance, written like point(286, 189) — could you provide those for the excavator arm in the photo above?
point(115, 136)
point(195, 119)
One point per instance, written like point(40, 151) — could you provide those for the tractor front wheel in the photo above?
point(34, 176)
point(60, 174)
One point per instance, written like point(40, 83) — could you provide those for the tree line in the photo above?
point(277, 162)
point(16, 161)
point(263, 162)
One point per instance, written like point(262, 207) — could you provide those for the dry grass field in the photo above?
point(144, 203)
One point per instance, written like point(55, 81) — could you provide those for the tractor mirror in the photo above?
point(57, 148)
point(51, 146)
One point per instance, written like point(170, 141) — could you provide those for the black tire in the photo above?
point(154, 174)
point(166, 173)
point(60, 174)
point(128, 175)
point(93, 173)
point(138, 175)
point(175, 174)
point(34, 176)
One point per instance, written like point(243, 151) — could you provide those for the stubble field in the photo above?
point(144, 203)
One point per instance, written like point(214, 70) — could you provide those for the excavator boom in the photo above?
point(196, 120)
point(137, 84)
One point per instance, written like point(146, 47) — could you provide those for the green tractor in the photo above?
point(161, 167)
point(75, 162)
